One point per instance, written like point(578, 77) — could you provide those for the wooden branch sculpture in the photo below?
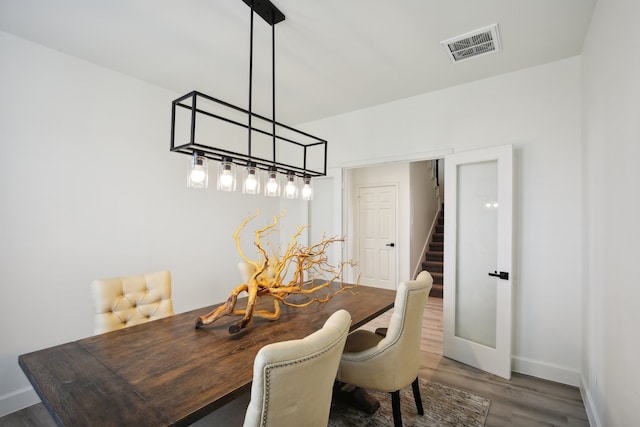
point(265, 278)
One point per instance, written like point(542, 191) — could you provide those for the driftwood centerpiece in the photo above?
point(266, 277)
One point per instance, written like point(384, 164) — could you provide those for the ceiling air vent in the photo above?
point(479, 42)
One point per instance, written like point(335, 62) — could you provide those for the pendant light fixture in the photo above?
point(227, 175)
point(198, 172)
point(291, 187)
point(250, 183)
point(272, 186)
point(197, 120)
point(307, 189)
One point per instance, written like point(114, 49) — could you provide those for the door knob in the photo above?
point(390, 244)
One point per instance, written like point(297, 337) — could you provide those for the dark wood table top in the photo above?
point(166, 372)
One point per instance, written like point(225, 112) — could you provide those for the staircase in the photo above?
point(434, 258)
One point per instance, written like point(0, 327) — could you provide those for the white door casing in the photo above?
point(377, 255)
point(477, 306)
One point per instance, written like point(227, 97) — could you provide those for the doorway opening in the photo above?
point(391, 217)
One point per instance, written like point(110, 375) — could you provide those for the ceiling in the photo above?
point(332, 56)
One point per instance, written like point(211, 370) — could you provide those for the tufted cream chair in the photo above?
point(293, 380)
point(126, 301)
point(390, 363)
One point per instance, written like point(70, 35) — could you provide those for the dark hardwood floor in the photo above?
point(522, 401)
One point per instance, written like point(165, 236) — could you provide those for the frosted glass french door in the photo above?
point(477, 265)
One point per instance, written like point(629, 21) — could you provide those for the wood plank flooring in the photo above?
point(523, 401)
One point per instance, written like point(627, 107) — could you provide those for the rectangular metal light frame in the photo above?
point(197, 105)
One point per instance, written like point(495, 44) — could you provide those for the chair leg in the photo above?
point(395, 405)
point(416, 396)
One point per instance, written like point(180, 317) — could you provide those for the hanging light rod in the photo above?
point(205, 127)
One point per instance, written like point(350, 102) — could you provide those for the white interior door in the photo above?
point(477, 264)
point(377, 235)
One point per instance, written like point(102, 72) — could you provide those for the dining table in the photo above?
point(167, 372)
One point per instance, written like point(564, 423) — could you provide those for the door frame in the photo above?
point(342, 186)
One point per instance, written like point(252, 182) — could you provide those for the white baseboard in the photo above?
point(16, 400)
point(547, 371)
point(592, 413)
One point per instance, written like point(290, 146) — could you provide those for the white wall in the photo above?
point(611, 144)
point(89, 189)
point(538, 111)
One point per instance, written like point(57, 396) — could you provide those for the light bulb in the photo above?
point(272, 185)
point(226, 180)
point(251, 183)
point(198, 174)
point(226, 175)
point(306, 191)
point(290, 189)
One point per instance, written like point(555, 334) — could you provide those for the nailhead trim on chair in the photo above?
point(268, 368)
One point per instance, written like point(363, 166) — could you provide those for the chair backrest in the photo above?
point(293, 380)
point(247, 270)
point(126, 301)
point(400, 348)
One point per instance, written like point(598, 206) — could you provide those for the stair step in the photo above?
point(440, 228)
point(436, 246)
point(437, 237)
point(434, 256)
point(436, 291)
point(433, 266)
point(437, 278)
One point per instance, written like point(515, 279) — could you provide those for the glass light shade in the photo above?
point(226, 176)
point(272, 186)
point(251, 181)
point(198, 172)
point(307, 189)
point(291, 187)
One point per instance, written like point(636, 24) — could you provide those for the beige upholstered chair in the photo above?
point(293, 380)
point(126, 301)
point(247, 270)
point(389, 363)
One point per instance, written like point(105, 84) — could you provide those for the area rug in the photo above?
point(443, 406)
